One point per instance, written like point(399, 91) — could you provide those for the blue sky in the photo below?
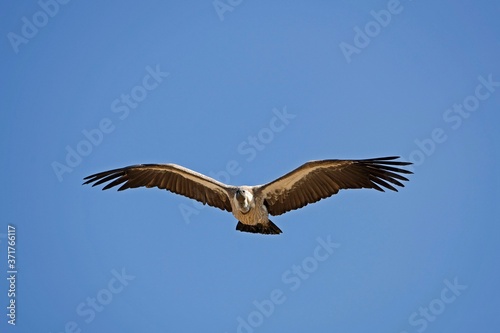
point(246, 91)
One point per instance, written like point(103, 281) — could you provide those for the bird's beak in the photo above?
point(239, 196)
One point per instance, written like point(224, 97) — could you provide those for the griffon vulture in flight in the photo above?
point(251, 205)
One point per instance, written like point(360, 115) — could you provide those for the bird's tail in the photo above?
point(268, 228)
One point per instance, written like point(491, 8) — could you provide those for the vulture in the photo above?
point(252, 205)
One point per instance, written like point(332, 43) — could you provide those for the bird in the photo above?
point(252, 205)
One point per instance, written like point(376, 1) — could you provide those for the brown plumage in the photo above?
point(251, 205)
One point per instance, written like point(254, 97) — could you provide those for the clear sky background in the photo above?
point(87, 87)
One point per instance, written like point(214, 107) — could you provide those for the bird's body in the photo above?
point(251, 212)
point(252, 205)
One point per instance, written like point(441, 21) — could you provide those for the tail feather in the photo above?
point(268, 228)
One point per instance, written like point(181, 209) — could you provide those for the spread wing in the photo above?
point(317, 180)
point(171, 177)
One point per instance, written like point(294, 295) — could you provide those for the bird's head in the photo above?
point(244, 199)
point(241, 196)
